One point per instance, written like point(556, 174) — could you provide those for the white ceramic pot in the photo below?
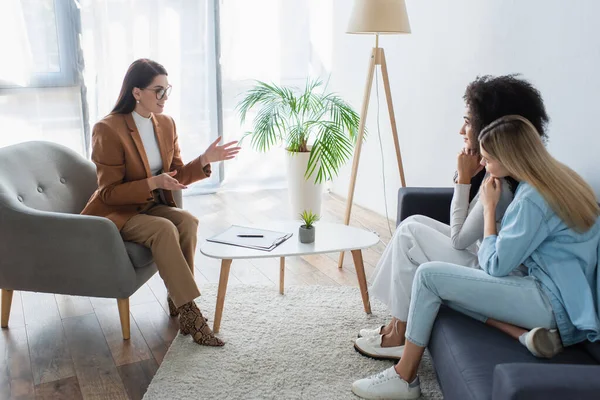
point(304, 194)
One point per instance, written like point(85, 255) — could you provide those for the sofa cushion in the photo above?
point(465, 352)
point(593, 349)
point(139, 255)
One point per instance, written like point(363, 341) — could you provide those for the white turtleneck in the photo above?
point(146, 130)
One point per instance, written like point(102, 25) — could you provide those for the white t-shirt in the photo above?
point(146, 130)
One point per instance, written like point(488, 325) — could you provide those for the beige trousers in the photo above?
point(171, 234)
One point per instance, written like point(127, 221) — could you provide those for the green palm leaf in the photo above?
point(296, 118)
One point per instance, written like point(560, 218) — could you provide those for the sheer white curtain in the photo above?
point(280, 41)
point(180, 34)
point(15, 69)
point(39, 94)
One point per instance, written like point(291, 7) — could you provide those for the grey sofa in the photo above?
point(476, 362)
point(46, 246)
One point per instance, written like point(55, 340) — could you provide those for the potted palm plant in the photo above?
point(318, 130)
point(306, 233)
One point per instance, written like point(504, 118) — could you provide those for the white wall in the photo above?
point(553, 43)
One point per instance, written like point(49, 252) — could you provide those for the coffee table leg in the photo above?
point(362, 279)
point(281, 274)
point(225, 266)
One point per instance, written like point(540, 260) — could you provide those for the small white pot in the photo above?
point(304, 194)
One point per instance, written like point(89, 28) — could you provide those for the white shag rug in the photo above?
point(295, 346)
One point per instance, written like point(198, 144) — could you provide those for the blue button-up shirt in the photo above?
point(562, 260)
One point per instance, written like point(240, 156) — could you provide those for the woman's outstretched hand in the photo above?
point(166, 181)
point(216, 153)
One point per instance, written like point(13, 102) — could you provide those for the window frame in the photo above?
point(66, 29)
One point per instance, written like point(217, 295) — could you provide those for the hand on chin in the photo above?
point(469, 150)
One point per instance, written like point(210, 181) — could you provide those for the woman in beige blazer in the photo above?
point(136, 152)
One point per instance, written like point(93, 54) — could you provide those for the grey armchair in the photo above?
point(46, 246)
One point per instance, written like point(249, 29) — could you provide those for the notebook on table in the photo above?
point(253, 238)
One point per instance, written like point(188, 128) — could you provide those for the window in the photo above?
point(40, 97)
point(283, 42)
point(213, 50)
point(178, 34)
point(40, 36)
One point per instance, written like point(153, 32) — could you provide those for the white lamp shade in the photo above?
point(379, 16)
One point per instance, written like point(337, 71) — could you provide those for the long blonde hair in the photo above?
point(515, 143)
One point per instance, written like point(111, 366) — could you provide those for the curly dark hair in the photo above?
point(490, 98)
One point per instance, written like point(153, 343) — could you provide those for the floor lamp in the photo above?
point(377, 17)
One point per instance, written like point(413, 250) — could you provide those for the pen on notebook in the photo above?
point(250, 236)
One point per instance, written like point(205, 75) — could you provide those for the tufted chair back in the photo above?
point(45, 176)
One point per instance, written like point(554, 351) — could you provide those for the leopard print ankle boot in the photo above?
point(192, 322)
point(173, 311)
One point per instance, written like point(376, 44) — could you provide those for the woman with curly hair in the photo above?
point(551, 229)
point(420, 239)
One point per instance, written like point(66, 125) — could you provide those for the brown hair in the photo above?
point(139, 74)
point(516, 144)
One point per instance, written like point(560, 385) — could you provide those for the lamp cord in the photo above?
point(387, 217)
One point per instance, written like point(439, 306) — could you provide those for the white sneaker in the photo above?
point(387, 385)
point(371, 347)
point(544, 343)
point(371, 332)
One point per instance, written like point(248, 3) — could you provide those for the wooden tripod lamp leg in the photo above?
point(377, 58)
point(359, 141)
point(388, 95)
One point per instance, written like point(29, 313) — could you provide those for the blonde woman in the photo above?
point(420, 239)
point(551, 227)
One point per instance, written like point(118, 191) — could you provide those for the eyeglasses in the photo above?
point(161, 92)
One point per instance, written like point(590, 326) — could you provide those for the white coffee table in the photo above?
point(330, 238)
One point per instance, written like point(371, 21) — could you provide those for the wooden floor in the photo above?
point(71, 347)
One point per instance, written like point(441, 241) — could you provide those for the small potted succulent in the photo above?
point(307, 231)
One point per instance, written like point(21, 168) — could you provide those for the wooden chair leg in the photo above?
point(7, 296)
point(123, 305)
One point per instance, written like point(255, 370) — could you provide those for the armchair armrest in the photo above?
point(178, 197)
point(432, 202)
point(62, 253)
point(523, 381)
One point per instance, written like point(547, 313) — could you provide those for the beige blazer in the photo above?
point(123, 170)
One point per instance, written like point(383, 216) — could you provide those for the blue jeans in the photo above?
point(518, 300)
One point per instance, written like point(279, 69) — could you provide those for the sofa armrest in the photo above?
point(62, 253)
point(432, 202)
point(526, 381)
